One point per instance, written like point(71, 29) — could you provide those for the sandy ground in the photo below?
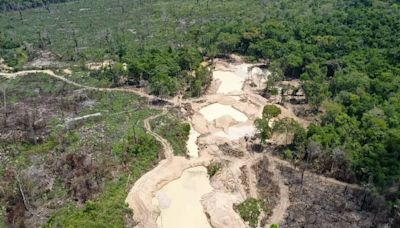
point(67, 71)
point(184, 196)
point(230, 82)
point(236, 132)
point(99, 65)
point(216, 110)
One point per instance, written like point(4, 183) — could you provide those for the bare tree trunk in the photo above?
point(75, 39)
point(304, 170)
point(26, 203)
point(31, 122)
point(20, 13)
point(46, 6)
point(5, 107)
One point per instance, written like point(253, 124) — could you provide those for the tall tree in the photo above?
point(263, 124)
point(286, 126)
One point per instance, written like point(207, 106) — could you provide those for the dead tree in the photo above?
point(5, 107)
point(46, 5)
point(75, 40)
point(313, 149)
point(20, 12)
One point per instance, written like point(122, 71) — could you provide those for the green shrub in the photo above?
point(213, 169)
point(288, 154)
point(250, 210)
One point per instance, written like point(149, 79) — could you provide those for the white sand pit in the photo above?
point(230, 82)
point(180, 200)
point(242, 70)
point(193, 149)
point(237, 132)
point(216, 110)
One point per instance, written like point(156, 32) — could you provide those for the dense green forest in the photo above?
point(346, 53)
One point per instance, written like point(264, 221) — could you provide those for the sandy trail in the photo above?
point(279, 212)
point(167, 148)
point(252, 180)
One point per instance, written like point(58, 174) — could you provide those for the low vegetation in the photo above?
point(75, 175)
point(213, 169)
point(175, 131)
point(250, 211)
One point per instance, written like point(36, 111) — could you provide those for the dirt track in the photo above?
point(167, 148)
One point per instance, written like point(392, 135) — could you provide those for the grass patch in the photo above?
point(250, 210)
point(33, 86)
point(213, 169)
point(89, 79)
point(174, 130)
point(45, 147)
